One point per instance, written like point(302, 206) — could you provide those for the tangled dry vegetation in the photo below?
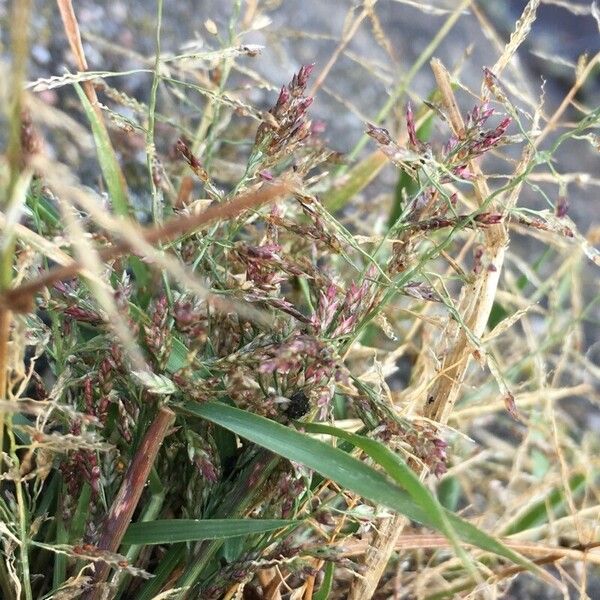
point(271, 375)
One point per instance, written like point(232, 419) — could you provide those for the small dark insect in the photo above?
point(299, 405)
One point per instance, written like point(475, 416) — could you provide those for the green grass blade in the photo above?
point(20, 421)
point(555, 502)
point(107, 158)
point(81, 516)
point(398, 470)
point(449, 492)
point(342, 468)
point(169, 531)
point(113, 176)
point(178, 359)
point(355, 181)
point(392, 463)
point(330, 462)
point(59, 573)
point(170, 561)
point(327, 584)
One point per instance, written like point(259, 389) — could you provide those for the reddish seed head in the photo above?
point(562, 206)
point(489, 218)
point(317, 127)
point(266, 252)
point(511, 406)
point(187, 154)
point(80, 314)
point(410, 125)
point(304, 104)
point(489, 78)
point(503, 125)
point(95, 479)
point(208, 471)
point(284, 96)
point(181, 147)
point(463, 172)
point(479, 115)
point(441, 444)
point(287, 126)
point(304, 73)
point(439, 469)
point(486, 112)
point(379, 134)
point(449, 146)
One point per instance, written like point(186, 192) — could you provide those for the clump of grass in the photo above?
point(260, 379)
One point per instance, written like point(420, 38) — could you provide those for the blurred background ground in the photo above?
point(120, 35)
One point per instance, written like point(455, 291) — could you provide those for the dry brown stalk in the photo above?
point(475, 310)
point(73, 34)
point(250, 13)
point(480, 297)
point(587, 553)
point(377, 556)
point(67, 14)
point(14, 153)
point(518, 36)
point(580, 80)
point(125, 502)
point(271, 580)
point(523, 400)
point(309, 585)
point(20, 299)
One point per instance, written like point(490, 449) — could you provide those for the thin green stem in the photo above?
point(150, 513)
point(237, 503)
point(402, 86)
point(23, 518)
point(215, 106)
point(150, 149)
